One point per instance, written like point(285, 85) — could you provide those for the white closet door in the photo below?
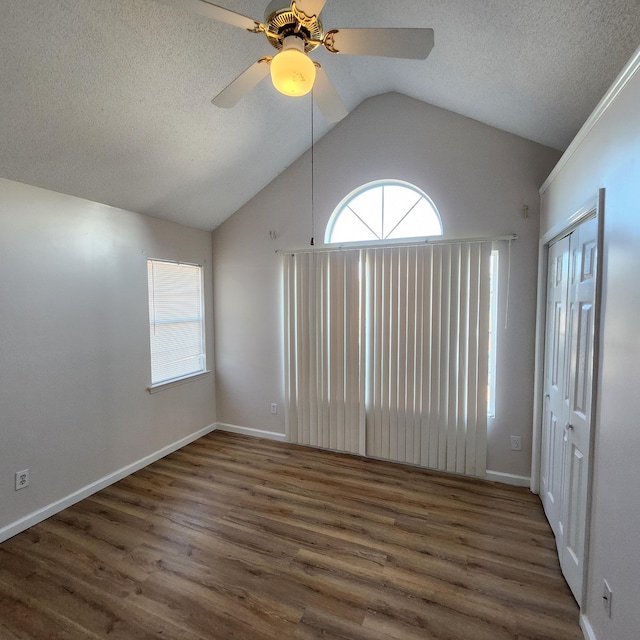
point(555, 384)
point(568, 408)
point(577, 432)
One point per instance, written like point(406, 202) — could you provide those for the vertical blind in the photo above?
point(325, 381)
point(427, 315)
point(387, 352)
point(176, 322)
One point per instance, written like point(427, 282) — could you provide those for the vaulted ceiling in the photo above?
point(110, 100)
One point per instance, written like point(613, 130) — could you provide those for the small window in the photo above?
point(386, 210)
point(176, 322)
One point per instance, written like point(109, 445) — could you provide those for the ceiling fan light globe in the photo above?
point(293, 72)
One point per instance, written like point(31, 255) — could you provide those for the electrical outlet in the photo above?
point(606, 597)
point(516, 443)
point(22, 479)
point(274, 408)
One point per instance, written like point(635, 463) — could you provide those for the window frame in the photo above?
point(376, 184)
point(151, 291)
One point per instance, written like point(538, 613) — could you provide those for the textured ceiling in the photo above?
point(110, 99)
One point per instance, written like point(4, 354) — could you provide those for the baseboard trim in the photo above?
point(586, 627)
point(508, 478)
point(45, 512)
point(255, 433)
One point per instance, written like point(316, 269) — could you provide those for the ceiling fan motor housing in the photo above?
point(283, 22)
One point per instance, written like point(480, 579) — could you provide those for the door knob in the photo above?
point(569, 427)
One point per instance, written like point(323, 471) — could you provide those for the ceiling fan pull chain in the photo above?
point(313, 212)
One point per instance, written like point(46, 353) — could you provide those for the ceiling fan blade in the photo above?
point(213, 11)
point(239, 88)
point(415, 44)
point(327, 98)
point(305, 10)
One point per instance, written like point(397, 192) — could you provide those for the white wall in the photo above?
point(609, 157)
point(74, 346)
point(479, 177)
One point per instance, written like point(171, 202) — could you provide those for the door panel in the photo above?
point(574, 530)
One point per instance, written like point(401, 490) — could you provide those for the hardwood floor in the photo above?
point(234, 537)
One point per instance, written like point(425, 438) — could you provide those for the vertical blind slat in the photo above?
point(323, 331)
point(402, 356)
point(290, 349)
point(472, 369)
point(443, 347)
point(360, 373)
point(378, 348)
point(425, 270)
point(394, 311)
point(307, 386)
point(436, 321)
point(464, 363)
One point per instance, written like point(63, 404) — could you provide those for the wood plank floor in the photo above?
point(234, 537)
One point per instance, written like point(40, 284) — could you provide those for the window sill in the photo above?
point(175, 383)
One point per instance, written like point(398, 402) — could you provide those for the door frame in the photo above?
point(593, 208)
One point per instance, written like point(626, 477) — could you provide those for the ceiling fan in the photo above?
point(295, 30)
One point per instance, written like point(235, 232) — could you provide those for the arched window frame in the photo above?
point(377, 184)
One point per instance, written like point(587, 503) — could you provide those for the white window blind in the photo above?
point(325, 382)
point(176, 322)
point(427, 348)
point(390, 352)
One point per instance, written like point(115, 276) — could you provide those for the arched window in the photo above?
point(385, 210)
